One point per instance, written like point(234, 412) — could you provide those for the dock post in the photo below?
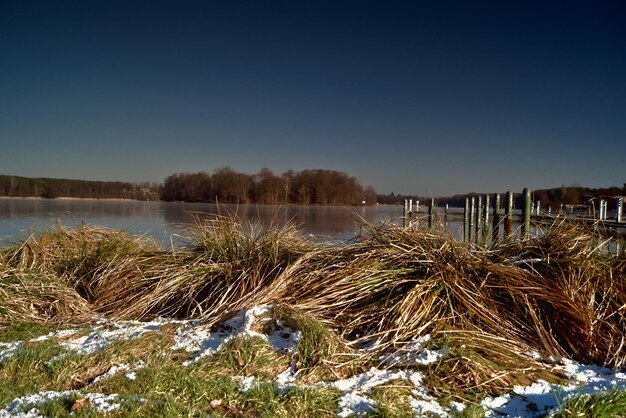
point(508, 225)
point(479, 219)
point(465, 219)
point(538, 207)
point(620, 205)
point(405, 212)
point(495, 222)
point(600, 205)
point(486, 219)
point(601, 211)
point(431, 213)
point(526, 214)
point(470, 233)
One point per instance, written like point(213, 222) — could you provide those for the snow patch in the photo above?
point(8, 350)
point(428, 406)
point(246, 384)
point(365, 381)
point(354, 405)
point(56, 334)
point(113, 370)
point(100, 338)
point(288, 376)
point(103, 403)
point(202, 342)
point(543, 398)
point(414, 353)
point(25, 406)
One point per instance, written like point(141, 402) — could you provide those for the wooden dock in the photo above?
point(484, 217)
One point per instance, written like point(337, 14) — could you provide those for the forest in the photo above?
point(15, 186)
point(307, 187)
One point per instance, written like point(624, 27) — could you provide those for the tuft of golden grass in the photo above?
point(39, 297)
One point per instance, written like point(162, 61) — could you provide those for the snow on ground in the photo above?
point(26, 406)
point(117, 369)
point(542, 397)
point(101, 337)
point(202, 342)
point(8, 350)
point(529, 401)
point(414, 353)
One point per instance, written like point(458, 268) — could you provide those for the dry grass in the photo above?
point(38, 297)
point(558, 295)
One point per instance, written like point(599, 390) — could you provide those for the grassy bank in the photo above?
point(449, 323)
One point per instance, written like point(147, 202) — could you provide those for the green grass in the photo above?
point(163, 386)
point(607, 405)
point(392, 400)
point(23, 331)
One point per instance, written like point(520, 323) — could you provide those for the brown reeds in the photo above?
point(228, 265)
point(38, 297)
point(558, 295)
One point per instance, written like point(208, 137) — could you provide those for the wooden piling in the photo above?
point(466, 219)
point(508, 225)
point(495, 221)
point(479, 223)
point(431, 213)
point(486, 219)
point(470, 233)
point(405, 213)
point(526, 214)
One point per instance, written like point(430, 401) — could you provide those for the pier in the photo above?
point(488, 218)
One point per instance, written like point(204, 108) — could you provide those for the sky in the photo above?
point(414, 97)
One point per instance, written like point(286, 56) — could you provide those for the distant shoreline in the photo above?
point(68, 198)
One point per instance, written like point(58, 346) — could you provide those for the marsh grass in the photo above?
point(33, 296)
point(558, 295)
point(321, 353)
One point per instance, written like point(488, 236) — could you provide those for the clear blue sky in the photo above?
point(425, 97)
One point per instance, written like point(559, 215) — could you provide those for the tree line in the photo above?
point(15, 186)
point(553, 197)
point(307, 187)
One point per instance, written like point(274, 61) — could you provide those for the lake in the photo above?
point(165, 220)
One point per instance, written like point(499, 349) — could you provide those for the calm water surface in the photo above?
point(165, 221)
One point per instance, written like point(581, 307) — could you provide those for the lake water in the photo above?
point(165, 220)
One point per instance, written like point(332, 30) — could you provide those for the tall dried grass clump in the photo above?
point(38, 297)
point(226, 266)
point(556, 295)
point(78, 256)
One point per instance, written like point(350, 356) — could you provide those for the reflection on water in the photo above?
point(162, 220)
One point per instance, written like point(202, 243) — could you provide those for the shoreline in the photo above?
point(71, 198)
